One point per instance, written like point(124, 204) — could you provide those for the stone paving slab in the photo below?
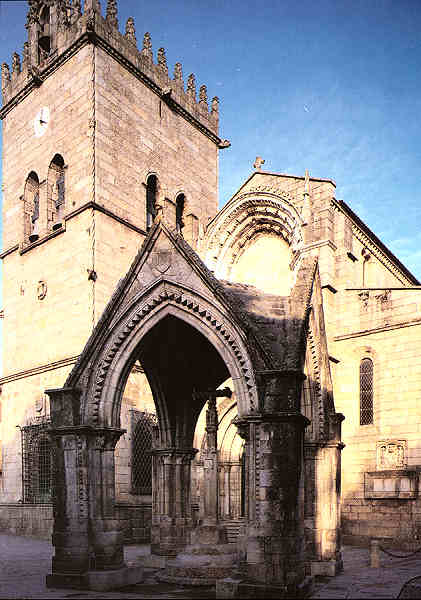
point(24, 563)
point(358, 580)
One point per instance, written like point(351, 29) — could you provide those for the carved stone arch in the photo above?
point(248, 239)
point(312, 399)
point(253, 210)
point(100, 404)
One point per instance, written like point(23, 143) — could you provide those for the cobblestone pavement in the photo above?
point(359, 580)
point(24, 563)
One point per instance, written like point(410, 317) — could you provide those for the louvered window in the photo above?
point(366, 391)
point(142, 424)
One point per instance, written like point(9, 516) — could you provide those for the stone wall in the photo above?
point(31, 520)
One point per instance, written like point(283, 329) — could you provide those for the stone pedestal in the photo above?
point(172, 520)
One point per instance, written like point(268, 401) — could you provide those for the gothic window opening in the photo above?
point(366, 391)
point(141, 463)
point(36, 463)
point(151, 197)
point(31, 208)
point(179, 210)
point(56, 193)
point(44, 39)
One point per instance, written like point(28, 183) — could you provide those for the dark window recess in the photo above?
point(142, 424)
point(60, 191)
point(366, 391)
point(243, 482)
point(151, 192)
point(36, 463)
point(179, 209)
point(35, 214)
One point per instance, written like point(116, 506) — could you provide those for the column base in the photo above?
point(235, 588)
point(211, 534)
point(201, 565)
point(99, 581)
point(327, 568)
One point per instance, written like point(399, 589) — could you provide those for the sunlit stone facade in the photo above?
point(284, 296)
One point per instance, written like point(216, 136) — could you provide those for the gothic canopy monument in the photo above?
point(172, 373)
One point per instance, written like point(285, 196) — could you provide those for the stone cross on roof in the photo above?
point(258, 163)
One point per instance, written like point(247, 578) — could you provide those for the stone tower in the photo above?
point(99, 141)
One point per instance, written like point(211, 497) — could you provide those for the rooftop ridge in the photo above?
point(57, 30)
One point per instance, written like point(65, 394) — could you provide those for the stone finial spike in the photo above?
point(25, 53)
point(162, 60)
point(5, 75)
point(32, 15)
point(93, 5)
point(62, 16)
point(215, 105)
point(16, 68)
point(77, 8)
point(131, 31)
point(191, 86)
point(147, 45)
point(203, 97)
point(306, 184)
point(178, 72)
point(111, 16)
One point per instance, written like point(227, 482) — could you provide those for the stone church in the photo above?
point(175, 374)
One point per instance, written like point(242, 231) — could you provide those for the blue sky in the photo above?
point(332, 86)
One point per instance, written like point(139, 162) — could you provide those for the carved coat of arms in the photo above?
point(161, 260)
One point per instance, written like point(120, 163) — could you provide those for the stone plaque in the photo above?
point(391, 454)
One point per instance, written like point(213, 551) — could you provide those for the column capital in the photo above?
point(65, 406)
point(280, 390)
point(243, 422)
point(100, 438)
point(172, 451)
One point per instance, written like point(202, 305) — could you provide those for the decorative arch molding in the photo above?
point(263, 210)
point(103, 378)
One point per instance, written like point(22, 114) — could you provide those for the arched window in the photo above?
point(141, 462)
point(31, 208)
point(44, 39)
point(56, 193)
point(151, 197)
point(179, 210)
point(366, 391)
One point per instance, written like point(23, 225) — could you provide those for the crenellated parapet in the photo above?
point(58, 29)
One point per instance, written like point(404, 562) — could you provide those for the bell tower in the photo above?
point(99, 141)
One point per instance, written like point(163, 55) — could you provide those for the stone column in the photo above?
point(328, 559)
point(71, 560)
point(274, 448)
point(106, 535)
point(172, 520)
point(87, 538)
point(210, 465)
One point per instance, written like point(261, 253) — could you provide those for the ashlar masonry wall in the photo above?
point(384, 326)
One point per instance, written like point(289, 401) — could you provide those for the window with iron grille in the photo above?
point(142, 424)
point(366, 391)
point(36, 463)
